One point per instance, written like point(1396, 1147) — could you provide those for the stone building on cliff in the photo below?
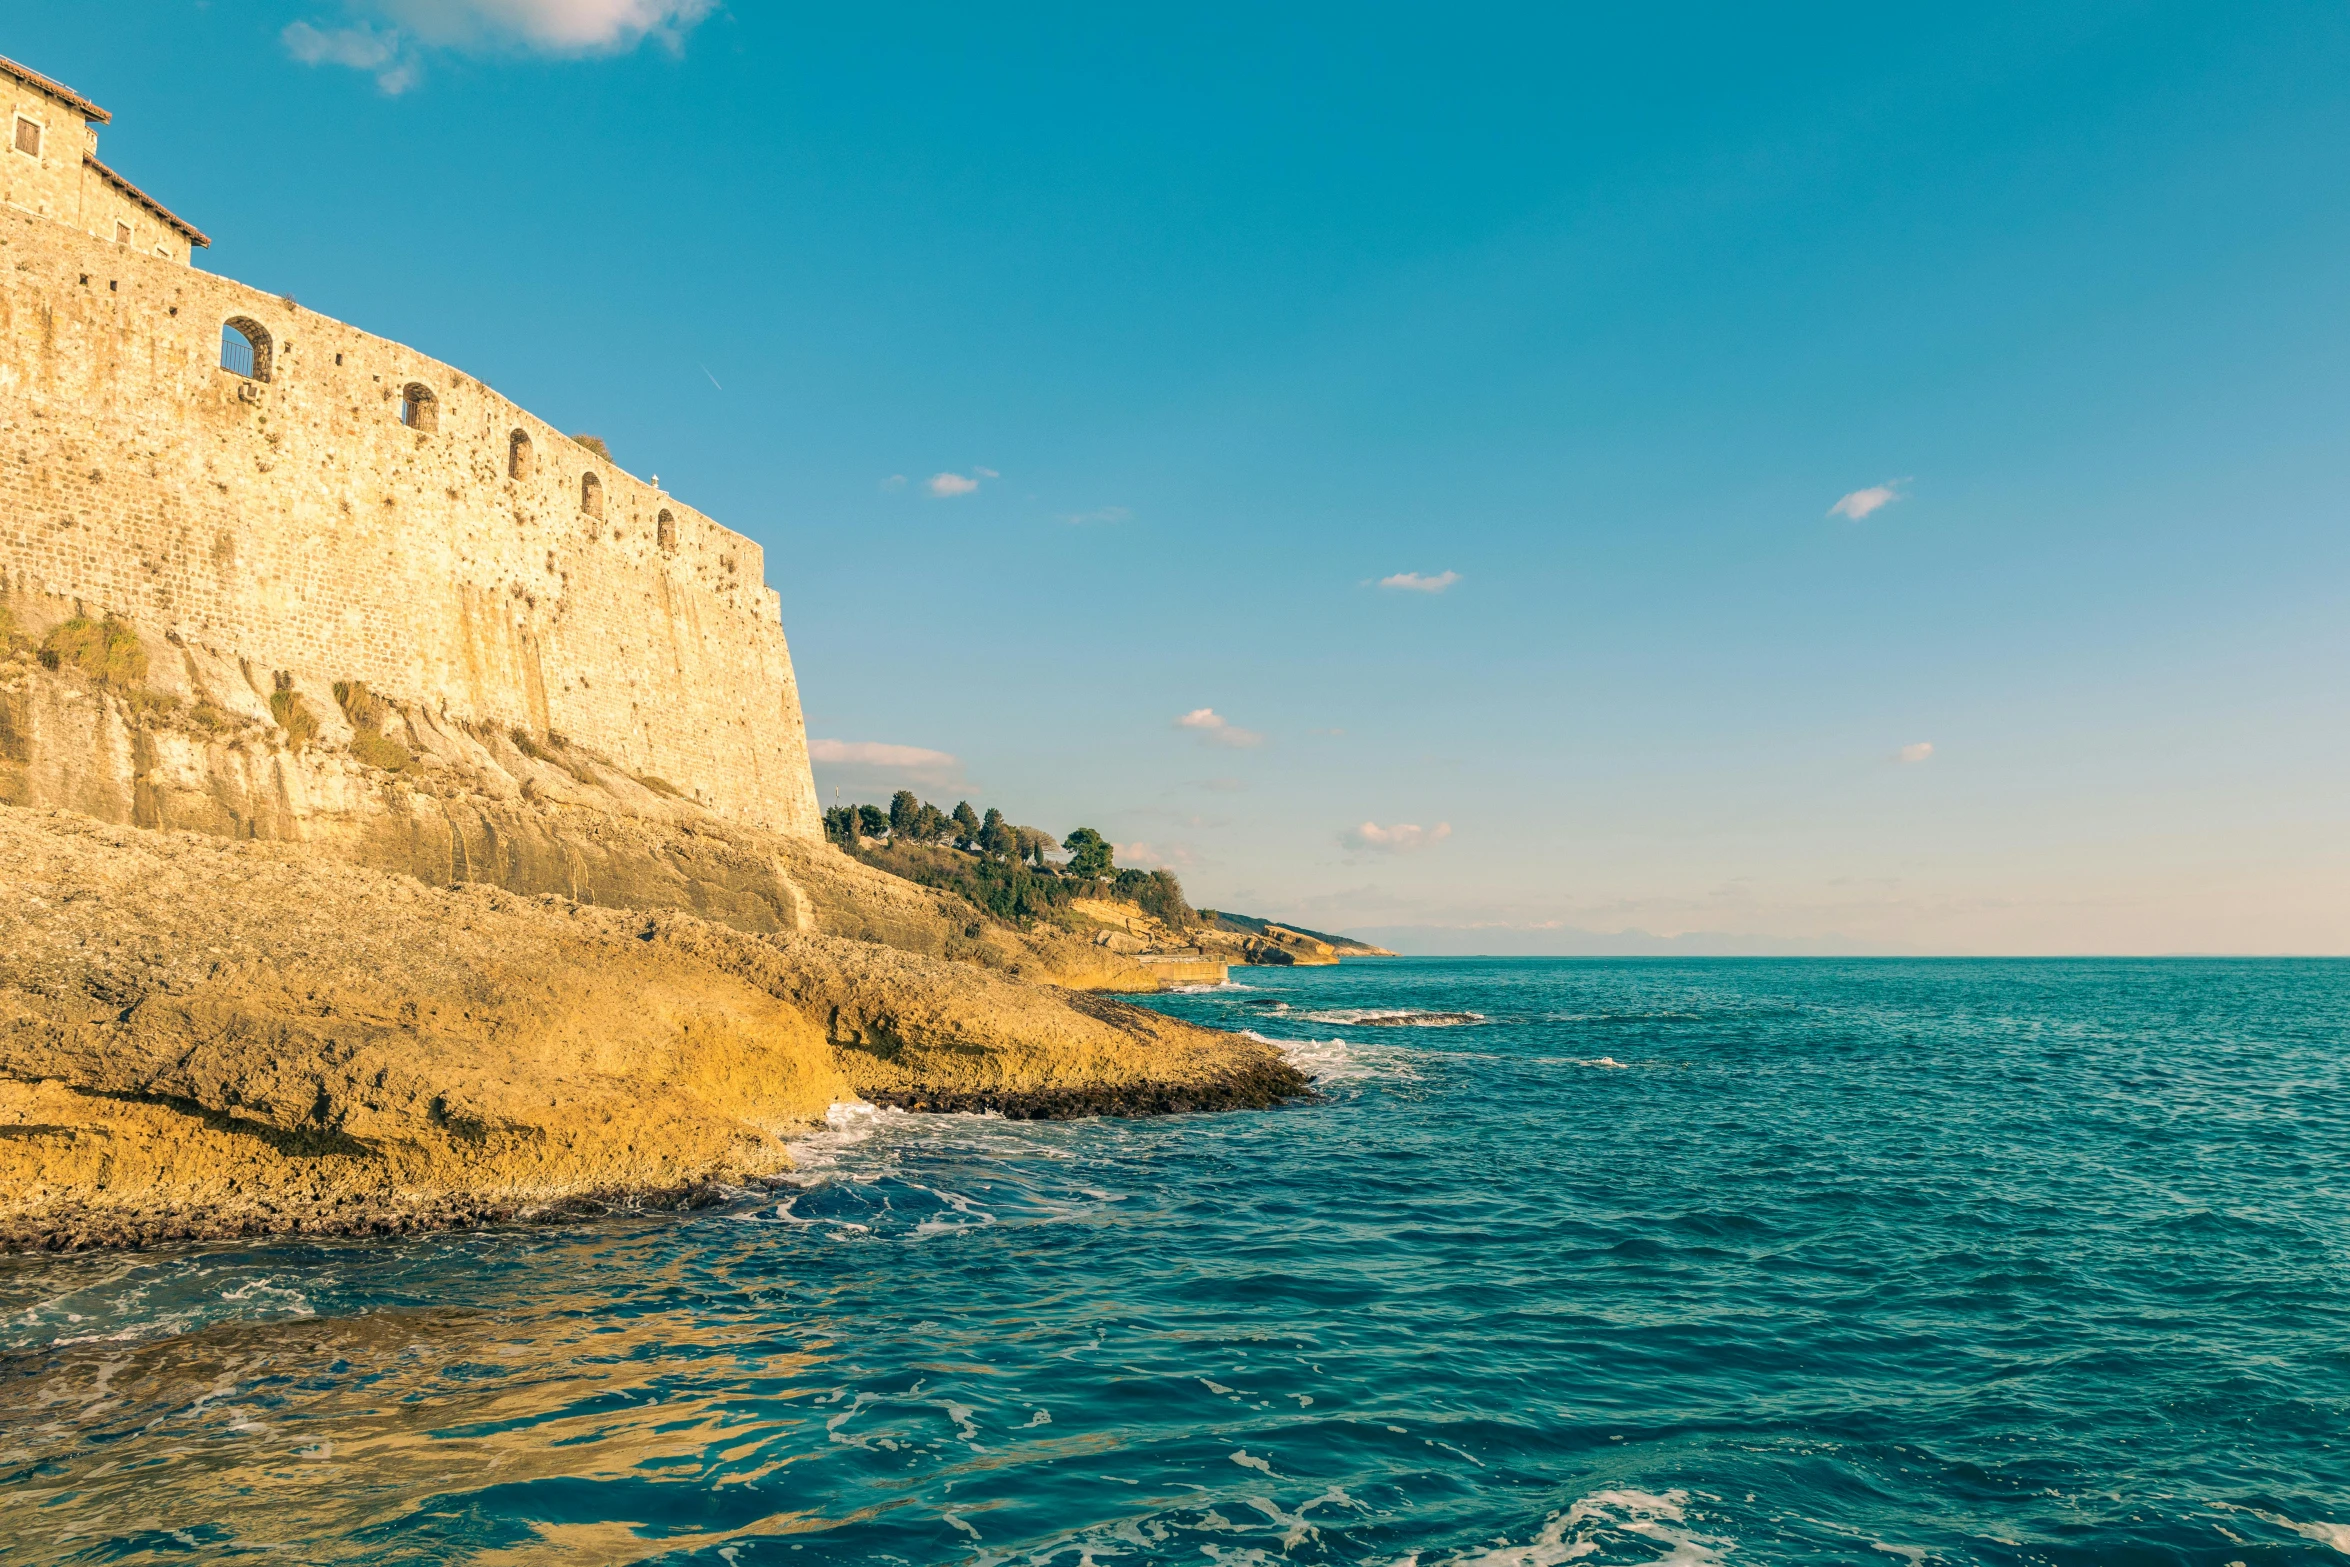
point(314, 505)
point(52, 168)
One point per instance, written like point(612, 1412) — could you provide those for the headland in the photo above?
point(405, 811)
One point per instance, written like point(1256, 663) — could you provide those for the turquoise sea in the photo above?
point(1641, 1261)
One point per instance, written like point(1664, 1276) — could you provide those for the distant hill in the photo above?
point(1247, 925)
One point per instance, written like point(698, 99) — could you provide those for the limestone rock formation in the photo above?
point(200, 1037)
point(176, 734)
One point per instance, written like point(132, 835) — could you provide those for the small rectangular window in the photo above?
point(28, 136)
point(122, 233)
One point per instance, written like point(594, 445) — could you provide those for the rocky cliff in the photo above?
point(275, 957)
point(122, 724)
point(200, 1037)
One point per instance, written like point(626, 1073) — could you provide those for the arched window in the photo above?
point(591, 495)
point(518, 456)
point(665, 531)
point(244, 348)
point(419, 409)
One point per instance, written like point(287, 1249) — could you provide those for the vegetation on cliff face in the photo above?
point(994, 865)
point(293, 715)
point(368, 714)
point(106, 650)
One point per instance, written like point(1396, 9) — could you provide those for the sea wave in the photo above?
point(1395, 1017)
point(1330, 1061)
point(1603, 1519)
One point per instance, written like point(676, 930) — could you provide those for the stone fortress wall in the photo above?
point(354, 510)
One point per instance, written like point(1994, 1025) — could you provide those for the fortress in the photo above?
point(317, 505)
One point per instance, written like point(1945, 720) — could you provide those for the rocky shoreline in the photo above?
point(208, 1039)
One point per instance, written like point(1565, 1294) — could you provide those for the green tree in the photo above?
point(1034, 843)
point(872, 820)
point(903, 810)
point(930, 824)
point(840, 824)
point(1159, 894)
point(966, 822)
point(1090, 857)
point(996, 836)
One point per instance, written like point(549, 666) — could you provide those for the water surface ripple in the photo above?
point(1789, 1262)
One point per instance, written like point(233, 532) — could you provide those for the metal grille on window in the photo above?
point(236, 351)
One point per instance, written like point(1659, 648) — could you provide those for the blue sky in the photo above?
point(1217, 320)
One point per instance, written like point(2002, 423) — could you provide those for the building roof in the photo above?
point(58, 90)
point(195, 235)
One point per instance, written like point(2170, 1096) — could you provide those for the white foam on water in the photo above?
point(1396, 1017)
point(1578, 1532)
point(2336, 1535)
point(1207, 990)
point(846, 1124)
point(270, 1292)
point(1337, 1061)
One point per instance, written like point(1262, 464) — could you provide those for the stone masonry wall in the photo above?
point(56, 183)
point(299, 522)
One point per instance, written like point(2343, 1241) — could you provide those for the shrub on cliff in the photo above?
point(363, 707)
point(1159, 894)
point(106, 650)
point(1003, 868)
point(367, 713)
point(293, 715)
point(1008, 889)
point(379, 750)
point(552, 753)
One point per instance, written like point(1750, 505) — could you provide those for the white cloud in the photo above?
point(1215, 729)
point(987, 473)
point(360, 47)
point(946, 485)
point(558, 26)
point(1402, 838)
point(1413, 582)
point(394, 52)
point(896, 481)
point(914, 762)
point(1862, 502)
point(1917, 752)
point(1142, 856)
